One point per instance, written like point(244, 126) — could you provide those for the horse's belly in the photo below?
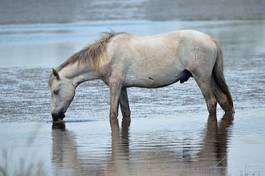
point(156, 65)
point(152, 79)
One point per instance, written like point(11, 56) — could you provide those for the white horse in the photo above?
point(123, 60)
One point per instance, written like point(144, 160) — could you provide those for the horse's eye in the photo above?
point(56, 92)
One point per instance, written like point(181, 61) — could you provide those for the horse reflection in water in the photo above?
point(64, 153)
point(211, 159)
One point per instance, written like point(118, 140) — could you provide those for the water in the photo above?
point(170, 132)
point(46, 11)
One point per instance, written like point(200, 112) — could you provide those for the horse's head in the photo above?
point(62, 94)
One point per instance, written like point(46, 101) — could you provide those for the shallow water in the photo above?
point(170, 133)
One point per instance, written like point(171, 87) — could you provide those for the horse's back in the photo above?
point(170, 42)
point(176, 36)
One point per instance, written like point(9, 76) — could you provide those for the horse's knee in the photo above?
point(113, 115)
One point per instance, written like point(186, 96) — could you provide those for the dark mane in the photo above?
point(92, 53)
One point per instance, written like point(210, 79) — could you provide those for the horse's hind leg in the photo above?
point(125, 108)
point(204, 84)
point(221, 98)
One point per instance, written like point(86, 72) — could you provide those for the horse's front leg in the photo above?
point(115, 92)
point(125, 108)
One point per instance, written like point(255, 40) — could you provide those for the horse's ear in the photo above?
point(56, 74)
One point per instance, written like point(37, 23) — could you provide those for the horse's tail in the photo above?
point(219, 79)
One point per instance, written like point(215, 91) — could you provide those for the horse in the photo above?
point(123, 60)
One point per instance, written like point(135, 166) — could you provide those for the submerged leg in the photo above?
point(115, 92)
point(125, 108)
point(206, 89)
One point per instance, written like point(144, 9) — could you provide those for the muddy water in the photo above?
point(170, 133)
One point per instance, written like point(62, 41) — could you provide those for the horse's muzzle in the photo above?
point(57, 116)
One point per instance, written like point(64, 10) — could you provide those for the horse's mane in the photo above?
point(93, 54)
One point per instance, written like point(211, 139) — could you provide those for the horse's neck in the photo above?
point(78, 73)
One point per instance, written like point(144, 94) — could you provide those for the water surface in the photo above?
point(170, 132)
